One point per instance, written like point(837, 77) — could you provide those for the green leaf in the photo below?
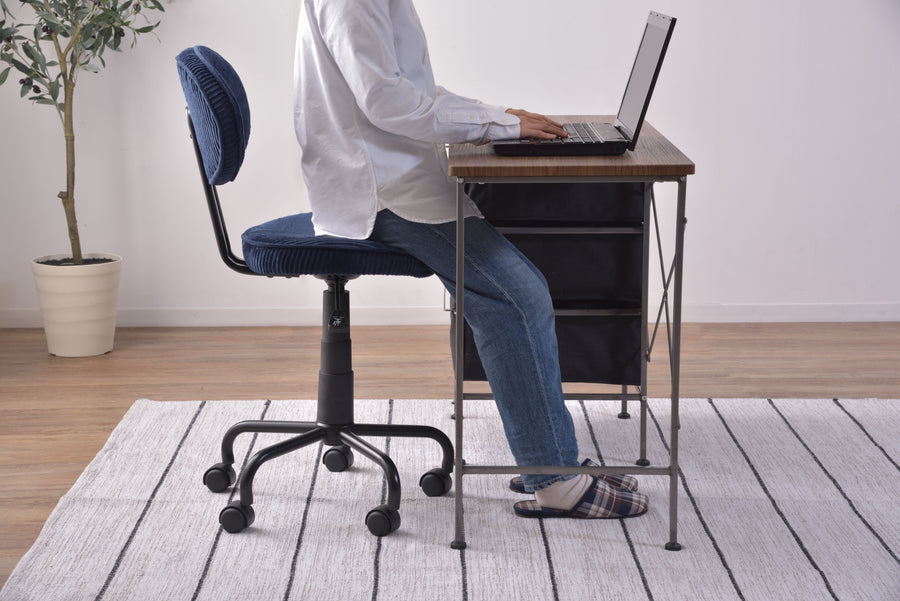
point(30, 52)
point(4, 74)
point(49, 17)
point(22, 67)
point(91, 68)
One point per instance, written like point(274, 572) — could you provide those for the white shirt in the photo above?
point(371, 122)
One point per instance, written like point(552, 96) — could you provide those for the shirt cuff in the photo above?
point(505, 126)
point(497, 131)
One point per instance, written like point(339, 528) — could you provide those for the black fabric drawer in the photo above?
point(586, 267)
point(581, 204)
point(592, 349)
point(584, 270)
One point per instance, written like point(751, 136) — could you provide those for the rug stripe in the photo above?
point(858, 564)
point(338, 551)
point(866, 432)
point(740, 519)
point(257, 562)
point(550, 572)
point(834, 481)
point(774, 503)
point(426, 528)
point(697, 511)
point(376, 568)
point(462, 567)
point(303, 523)
point(499, 562)
point(646, 535)
point(140, 520)
point(202, 580)
point(602, 461)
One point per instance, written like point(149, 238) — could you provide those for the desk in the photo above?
point(655, 159)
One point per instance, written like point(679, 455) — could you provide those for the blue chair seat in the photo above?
point(288, 246)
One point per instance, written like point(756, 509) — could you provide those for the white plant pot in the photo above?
point(78, 304)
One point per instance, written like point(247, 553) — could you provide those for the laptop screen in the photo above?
point(643, 74)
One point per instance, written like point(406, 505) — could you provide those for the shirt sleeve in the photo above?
point(360, 37)
point(509, 126)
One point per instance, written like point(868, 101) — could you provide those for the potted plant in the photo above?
point(49, 43)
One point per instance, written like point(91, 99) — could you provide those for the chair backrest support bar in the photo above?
point(215, 212)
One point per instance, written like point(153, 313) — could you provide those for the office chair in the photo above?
point(219, 122)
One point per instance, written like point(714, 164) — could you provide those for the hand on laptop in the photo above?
point(533, 125)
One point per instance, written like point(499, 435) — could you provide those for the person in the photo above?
point(372, 125)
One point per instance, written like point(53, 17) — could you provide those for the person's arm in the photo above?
point(532, 125)
point(359, 36)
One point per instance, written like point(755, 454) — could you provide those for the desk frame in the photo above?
point(673, 278)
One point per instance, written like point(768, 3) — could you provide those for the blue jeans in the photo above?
point(509, 309)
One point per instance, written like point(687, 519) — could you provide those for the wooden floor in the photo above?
point(55, 414)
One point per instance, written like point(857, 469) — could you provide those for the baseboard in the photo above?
point(790, 313)
point(235, 317)
point(278, 316)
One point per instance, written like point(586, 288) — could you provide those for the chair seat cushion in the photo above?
point(288, 246)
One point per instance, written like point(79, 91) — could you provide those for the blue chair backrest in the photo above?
point(219, 111)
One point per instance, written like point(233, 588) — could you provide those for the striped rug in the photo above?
point(780, 499)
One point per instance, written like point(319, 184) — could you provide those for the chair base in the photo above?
point(382, 520)
point(334, 427)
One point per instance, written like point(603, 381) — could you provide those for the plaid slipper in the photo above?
point(615, 480)
point(600, 501)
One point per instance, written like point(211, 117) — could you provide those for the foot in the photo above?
point(614, 480)
point(601, 501)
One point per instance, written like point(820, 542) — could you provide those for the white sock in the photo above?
point(563, 494)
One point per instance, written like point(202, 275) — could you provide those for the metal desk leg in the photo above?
point(459, 542)
point(645, 324)
point(680, 222)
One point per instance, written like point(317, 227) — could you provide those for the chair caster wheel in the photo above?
point(435, 483)
point(338, 459)
point(219, 477)
point(383, 520)
point(236, 517)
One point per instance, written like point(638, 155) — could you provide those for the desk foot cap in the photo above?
point(624, 415)
point(458, 545)
point(642, 462)
point(673, 546)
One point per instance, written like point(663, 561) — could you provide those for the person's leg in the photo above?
point(510, 311)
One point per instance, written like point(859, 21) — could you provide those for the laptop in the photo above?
point(598, 138)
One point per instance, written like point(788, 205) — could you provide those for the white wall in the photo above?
point(788, 219)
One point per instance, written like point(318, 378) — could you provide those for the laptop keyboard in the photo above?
point(579, 133)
